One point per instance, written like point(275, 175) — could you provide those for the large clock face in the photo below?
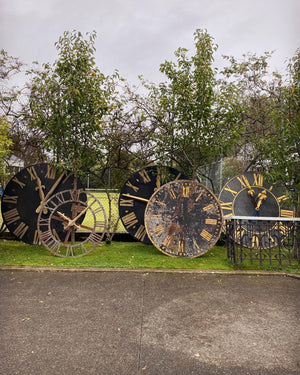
point(25, 195)
point(249, 194)
point(135, 195)
point(183, 218)
point(68, 212)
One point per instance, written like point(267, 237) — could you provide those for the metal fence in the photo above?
point(263, 240)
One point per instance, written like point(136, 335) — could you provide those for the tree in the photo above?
point(282, 147)
point(68, 100)
point(5, 143)
point(269, 110)
point(193, 113)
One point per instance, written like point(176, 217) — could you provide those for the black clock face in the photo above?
point(66, 213)
point(183, 218)
point(25, 194)
point(250, 195)
point(135, 194)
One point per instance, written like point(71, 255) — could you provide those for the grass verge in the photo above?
point(123, 255)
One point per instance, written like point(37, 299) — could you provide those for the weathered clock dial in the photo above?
point(183, 218)
point(25, 195)
point(135, 194)
point(67, 212)
point(249, 194)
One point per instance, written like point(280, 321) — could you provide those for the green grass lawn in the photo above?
point(123, 255)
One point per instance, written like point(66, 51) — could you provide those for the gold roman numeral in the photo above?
point(130, 219)
point(32, 173)
point(51, 172)
point(211, 221)
point(180, 247)
point(195, 244)
point(156, 216)
point(36, 239)
point(206, 235)
point(21, 184)
point(167, 241)
point(129, 184)
point(172, 193)
point(286, 213)
point(21, 229)
point(244, 181)
point(126, 202)
point(282, 198)
point(140, 234)
point(11, 216)
point(185, 191)
point(209, 207)
point(199, 196)
point(255, 241)
point(258, 179)
point(159, 229)
point(233, 192)
point(145, 176)
point(10, 199)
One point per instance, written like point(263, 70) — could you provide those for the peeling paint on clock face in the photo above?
point(183, 218)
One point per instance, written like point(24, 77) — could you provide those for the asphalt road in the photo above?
point(127, 323)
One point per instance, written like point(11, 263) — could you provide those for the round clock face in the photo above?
point(135, 195)
point(250, 195)
point(68, 212)
point(25, 194)
point(183, 218)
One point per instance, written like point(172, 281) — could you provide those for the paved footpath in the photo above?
point(133, 323)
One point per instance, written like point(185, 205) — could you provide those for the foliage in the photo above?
point(68, 100)
point(9, 67)
point(194, 115)
point(5, 143)
point(270, 115)
point(282, 147)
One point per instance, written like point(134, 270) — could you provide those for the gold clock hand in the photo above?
point(70, 221)
point(54, 186)
point(136, 197)
point(73, 221)
point(41, 192)
point(261, 197)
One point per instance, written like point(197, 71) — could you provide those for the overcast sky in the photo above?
point(136, 36)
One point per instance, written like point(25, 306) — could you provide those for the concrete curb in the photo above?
point(149, 270)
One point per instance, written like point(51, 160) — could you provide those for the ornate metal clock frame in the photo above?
point(67, 212)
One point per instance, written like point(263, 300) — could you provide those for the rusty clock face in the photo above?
point(66, 213)
point(135, 195)
point(183, 218)
point(249, 194)
point(25, 194)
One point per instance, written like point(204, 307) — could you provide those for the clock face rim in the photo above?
point(25, 226)
point(134, 223)
point(46, 222)
point(210, 197)
point(260, 238)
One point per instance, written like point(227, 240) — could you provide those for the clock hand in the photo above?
point(69, 223)
point(40, 188)
point(54, 186)
point(136, 197)
point(73, 221)
point(261, 197)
